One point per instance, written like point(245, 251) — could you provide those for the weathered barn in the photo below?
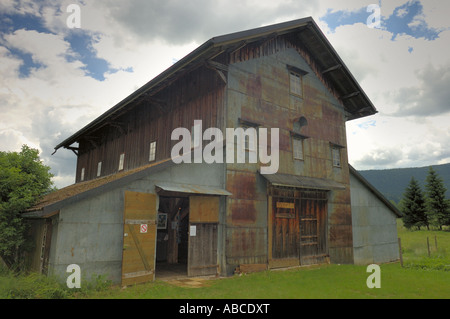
point(133, 211)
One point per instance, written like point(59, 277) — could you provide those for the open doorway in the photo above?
point(172, 241)
point(187, 236)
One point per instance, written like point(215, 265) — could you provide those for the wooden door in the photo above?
point(297, 227)
point(139, 241)
point(45, 249)
point(313, 228)
point(203, 227)
point(284, 233)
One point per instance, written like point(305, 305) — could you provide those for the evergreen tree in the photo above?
point(413, 206)
point(438, 206)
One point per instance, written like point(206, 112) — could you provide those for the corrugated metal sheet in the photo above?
point(279, 179)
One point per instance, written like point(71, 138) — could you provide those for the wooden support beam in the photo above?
point(348, 96)
point(216, 65)
point(219, 68)
point(92, 140)
point(238, 47)
point(73, 149)
point(335, 67)
point(118, 125)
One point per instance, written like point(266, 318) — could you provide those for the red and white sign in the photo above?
point(143, 228)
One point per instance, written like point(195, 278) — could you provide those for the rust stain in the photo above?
point(242, 184)
point(243, 211)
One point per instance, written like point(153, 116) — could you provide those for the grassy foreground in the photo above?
point(328, 282)
point(422, 277)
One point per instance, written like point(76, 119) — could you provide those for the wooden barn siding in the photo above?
point(258, 91)
point(198, 96)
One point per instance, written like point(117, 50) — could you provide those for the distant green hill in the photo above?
point(393, 182)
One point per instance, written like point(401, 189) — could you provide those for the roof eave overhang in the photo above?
point(353, 98)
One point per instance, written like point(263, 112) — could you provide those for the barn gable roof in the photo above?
point(330, 65)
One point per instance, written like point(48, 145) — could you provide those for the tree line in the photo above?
point(428, 207)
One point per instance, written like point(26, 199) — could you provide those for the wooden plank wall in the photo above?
point(197, 96)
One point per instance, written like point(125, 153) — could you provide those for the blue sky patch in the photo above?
point(28, 63)
point(80, 43)
point(404, 20)
point(367, 124)
point(342, 17)
point(12, 22)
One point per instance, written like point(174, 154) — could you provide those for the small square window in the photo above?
point(99, 169)
point(121, 161)
point(82, 174)
point(297, 146)
point(336, 155)
point(152, 155)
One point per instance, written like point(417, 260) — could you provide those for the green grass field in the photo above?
point(422, 277)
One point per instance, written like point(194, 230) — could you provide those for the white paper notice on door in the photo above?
point(193, 230)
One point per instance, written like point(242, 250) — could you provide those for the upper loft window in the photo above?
point(296, 80)
point(196, 135)
point(99, 169)
point(121, 161)
point(152, 155)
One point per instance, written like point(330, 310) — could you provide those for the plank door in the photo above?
point(139, 241)
point(203, 231)
point(313, 228)
point(284, 232)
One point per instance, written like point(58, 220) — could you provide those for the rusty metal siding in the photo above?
point(258, 91)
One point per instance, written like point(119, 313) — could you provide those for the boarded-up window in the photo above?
point(336, 154)
point(152, 155)
point(204, 209)
point(295, 81)
point(297, 146)
point(250, 141)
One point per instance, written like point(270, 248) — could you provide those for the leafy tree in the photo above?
point(23, 180)
point(413, 206)
point(438, 205)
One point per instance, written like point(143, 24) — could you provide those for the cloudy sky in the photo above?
point(56, 77)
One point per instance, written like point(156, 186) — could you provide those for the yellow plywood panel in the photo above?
point(204, 209)
point(139, 241)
